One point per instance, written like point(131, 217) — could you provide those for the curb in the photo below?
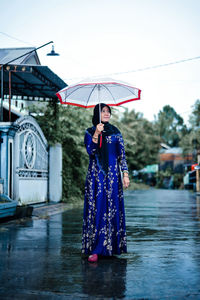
point(51, 209)
point(41, 211)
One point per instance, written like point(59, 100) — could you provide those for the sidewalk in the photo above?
point(40, 211)
point(50, 209)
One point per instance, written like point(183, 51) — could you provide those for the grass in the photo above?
point(137, 186)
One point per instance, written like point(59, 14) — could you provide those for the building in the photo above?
point(173, 159)
point(30, 170)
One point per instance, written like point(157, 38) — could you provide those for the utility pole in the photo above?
point(197, 168)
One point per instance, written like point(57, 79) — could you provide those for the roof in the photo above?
point(8, 54)
point(164, 146)
point(150, 169)
point(32, 81)
point(174, 150)
point(28, 78)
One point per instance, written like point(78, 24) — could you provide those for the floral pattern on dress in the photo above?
point(104, 229)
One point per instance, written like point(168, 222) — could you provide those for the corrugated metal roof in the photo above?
point(7, 54)
point(32, 81)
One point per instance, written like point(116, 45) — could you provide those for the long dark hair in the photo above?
point(95, 118)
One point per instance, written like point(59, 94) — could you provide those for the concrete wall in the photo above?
point(32, 191)
point(55, 173)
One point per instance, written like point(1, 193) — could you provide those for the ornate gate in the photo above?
point(30, 162)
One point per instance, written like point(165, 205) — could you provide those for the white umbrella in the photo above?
point(90, 92)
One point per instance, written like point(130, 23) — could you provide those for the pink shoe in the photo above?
point(93, 258)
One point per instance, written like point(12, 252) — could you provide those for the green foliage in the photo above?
point(66, 125)
point(161, 175)
point(190, 142)
point(170, 126)
point(137, 186)
point(195, 116)
point(141, 142)
point(177, 179)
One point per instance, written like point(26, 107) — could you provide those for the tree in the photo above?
point(141, 143)
point(170, 126)
point(190, 142)
point(66, 125)
point(194, 119)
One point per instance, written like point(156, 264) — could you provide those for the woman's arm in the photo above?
point(122, 161)
point(90, 143)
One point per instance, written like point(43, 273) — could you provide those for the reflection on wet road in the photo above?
point(40, 259)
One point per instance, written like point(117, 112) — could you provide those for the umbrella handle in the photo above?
point(100, 143)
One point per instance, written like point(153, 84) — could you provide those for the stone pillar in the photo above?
point(7, 132)
point(55, 173)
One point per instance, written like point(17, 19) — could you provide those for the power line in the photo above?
point(142, 69)
point(14, 38)
point(158, 66)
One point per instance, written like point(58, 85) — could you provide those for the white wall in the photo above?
point(32, 190)
point(55, 173)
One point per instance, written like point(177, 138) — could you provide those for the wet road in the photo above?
point(40, 259)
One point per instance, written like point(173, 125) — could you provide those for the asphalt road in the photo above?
point(40, 258)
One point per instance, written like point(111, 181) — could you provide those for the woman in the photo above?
point(104, 230)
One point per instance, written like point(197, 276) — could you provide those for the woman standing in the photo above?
point(104, 230)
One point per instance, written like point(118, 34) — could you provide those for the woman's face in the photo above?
point(105, 114)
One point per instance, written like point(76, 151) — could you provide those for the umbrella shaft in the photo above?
point(98, 87)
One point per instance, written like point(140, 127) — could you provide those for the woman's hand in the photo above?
point(98, 131)
point(126, 180)
point(99, 128)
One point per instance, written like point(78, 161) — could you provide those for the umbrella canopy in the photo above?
point(88, 93)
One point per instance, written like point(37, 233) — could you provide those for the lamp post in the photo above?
point(2, 68)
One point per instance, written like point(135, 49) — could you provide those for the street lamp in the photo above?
point(52, 53)
point(2, 68)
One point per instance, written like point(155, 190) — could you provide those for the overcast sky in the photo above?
point(105, 37)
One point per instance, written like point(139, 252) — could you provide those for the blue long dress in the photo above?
point(104, 231)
